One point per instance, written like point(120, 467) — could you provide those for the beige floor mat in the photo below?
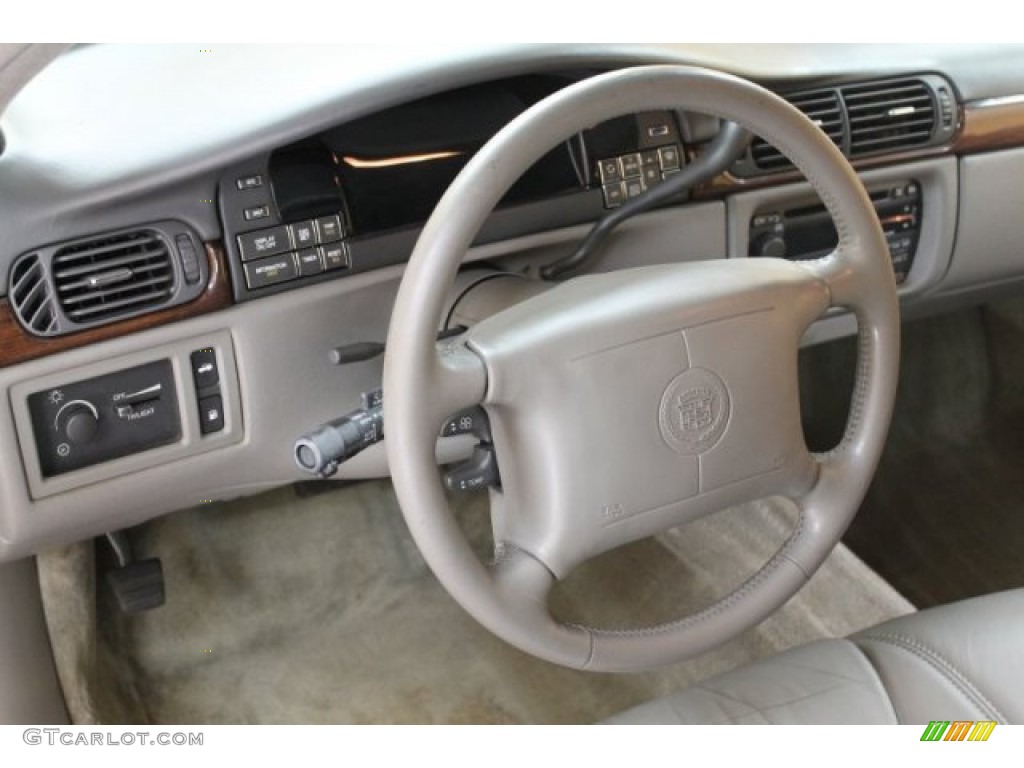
point(284, 609)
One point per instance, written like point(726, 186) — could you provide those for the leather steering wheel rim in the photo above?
point(427, 381)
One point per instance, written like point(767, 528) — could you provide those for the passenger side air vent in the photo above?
point(103, 279)
point(895, 115)
point(31, 297)
point(868, 120)
point(80, 284)
point(822, 107)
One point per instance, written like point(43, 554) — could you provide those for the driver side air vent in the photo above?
point(870, 119)
point(84, 283)
point(103, 279)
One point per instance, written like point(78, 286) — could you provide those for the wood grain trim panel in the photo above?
point(992, 124)
point(17, 345)
point(726, 183)
point(985, 126)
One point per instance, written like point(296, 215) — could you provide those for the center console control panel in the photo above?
point(809, 232)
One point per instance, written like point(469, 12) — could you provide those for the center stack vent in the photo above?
point(869, 119)
point(823, 108)
point(84, 283)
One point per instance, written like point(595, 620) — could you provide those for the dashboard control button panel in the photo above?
point(87, 422)
point(283, 253)
point(286, 222)
point(128, 414)
point(290, 266)
point(206, 377)
point(630, 175)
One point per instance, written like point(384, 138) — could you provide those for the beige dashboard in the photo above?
point(273, 353)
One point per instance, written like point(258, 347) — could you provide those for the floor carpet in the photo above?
point(284, 608)
point(944, 518)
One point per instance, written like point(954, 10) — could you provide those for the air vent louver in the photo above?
point(106, 278)
point(31, 297)
point(895, 115)
point(823, 108)
point(868, 120)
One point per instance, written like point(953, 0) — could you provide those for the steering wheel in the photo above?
point(624, 404)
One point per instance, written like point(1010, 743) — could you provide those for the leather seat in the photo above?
point(963, 661)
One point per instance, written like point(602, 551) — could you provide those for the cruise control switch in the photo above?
point(481, 469)
point(323, 449)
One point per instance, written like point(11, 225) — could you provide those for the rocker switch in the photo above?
point(209, 398)
point(471, 421)
point(204, 368)
point(478, 471)
point(211, 414)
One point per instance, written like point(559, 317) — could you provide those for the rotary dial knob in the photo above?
point(77, 421)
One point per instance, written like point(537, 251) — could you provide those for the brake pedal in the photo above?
point(138, 585)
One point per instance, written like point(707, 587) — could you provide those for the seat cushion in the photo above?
point(957, 662)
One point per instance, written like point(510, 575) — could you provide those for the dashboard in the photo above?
point(353, 198)
point(198, 268)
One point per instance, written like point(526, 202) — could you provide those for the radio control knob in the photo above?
point(771, 245)
point(78, 421)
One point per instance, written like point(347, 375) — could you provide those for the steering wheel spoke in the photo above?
point(459, 379)
point(839, 273)
point(522, 585)
point(523, 579)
